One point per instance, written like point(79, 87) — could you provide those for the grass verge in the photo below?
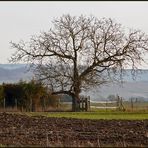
point(93, 115)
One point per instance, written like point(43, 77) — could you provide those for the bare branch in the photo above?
point(82, 52)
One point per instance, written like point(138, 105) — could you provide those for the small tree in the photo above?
point(33, 92)
point(82, 52)
point(112, 98)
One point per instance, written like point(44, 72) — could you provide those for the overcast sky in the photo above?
point(20, 20)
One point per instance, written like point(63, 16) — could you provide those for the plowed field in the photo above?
point(22, 130)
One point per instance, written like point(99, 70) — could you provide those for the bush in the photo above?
point(27, 95)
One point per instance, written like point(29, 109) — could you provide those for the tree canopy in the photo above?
point(82, 52)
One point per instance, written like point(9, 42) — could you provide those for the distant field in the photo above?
point(109, 115)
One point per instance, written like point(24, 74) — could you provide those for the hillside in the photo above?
point(10, 73)
point(126, 90)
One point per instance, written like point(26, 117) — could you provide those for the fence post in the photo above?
point(106, 105)
point(4, 104)
point(84, 103)
point(118, 102)
point(89, 103)
point(132, 106)
point(81, 104)
point(16, 103)
point(30, 104)
point(86, 106)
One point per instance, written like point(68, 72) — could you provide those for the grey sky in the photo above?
point(20, 20)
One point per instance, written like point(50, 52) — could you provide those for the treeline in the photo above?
point(27, 96)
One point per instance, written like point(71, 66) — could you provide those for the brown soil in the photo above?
point(22, 130)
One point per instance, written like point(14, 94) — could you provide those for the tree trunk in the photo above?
point(75, 103)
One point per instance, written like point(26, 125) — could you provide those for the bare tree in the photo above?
point(82, 52)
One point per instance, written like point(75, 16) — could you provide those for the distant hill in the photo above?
point(142, 75)
point(12, 66)
point(126, 90)
point(10, 73)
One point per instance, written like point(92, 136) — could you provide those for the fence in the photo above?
point(117, 104)
point(84, 103)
